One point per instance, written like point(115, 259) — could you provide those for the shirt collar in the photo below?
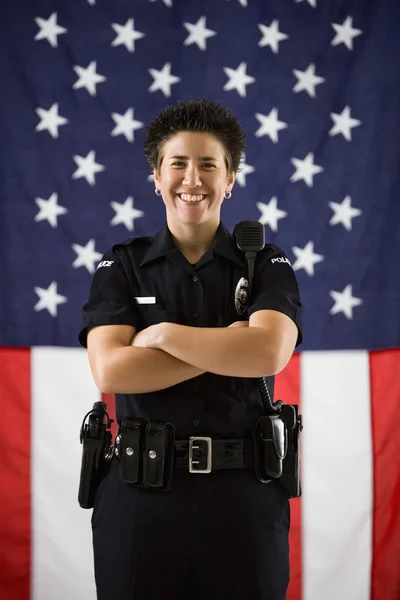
point(224, 245)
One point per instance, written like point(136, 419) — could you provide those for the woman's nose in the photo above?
point(192, 177)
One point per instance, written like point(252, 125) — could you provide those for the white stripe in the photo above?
point(337, 476)
point(62, 393)
point(145, 299)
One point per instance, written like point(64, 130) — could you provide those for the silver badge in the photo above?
point(241, 296)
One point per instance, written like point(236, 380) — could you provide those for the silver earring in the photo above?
point(158, 192)
point(227, 195)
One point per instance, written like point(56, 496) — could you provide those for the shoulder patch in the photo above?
point(105, 263)
point(281, 259)
point(275, 254)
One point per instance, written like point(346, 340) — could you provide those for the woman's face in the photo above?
point(193, 178)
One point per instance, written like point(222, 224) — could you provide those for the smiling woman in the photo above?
point(194, 150)
point(193, 179)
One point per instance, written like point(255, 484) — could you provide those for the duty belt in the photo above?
point(149, 453)
point(201, 454)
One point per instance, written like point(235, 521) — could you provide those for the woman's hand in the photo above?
point(149, 337)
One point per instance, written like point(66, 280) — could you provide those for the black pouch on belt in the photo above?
point(270, 439)
point(158, 455)
point(146, 451)
point(131, 449)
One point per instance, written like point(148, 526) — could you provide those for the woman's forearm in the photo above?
point(132, 370)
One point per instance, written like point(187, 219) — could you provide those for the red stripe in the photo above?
point(287, 388)
point(15, 448)
point(385, 414)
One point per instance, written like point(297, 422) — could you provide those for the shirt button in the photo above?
point(195, 315)
point(196, 422)
point(195, 278)
point(195, 388)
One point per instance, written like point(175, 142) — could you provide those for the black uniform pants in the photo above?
point(213, 536)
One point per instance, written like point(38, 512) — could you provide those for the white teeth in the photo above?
point(189, 198)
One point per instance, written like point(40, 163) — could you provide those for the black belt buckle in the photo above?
point(158, 455)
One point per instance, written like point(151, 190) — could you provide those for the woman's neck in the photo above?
point(193, 240)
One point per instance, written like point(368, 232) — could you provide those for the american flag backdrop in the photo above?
point(316, 85)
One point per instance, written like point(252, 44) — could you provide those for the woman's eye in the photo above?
point(180, 163)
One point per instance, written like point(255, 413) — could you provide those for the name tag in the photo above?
point(145, 299)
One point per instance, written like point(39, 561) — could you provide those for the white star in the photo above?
point(125, 125)
point(343, 123)
point(87, 256)
point(271, 36)
point(198, 33)
point(87, 167)
point(126, 35)
point(305, 169)
point(49, 209)
point(50, 120)
point(270, 213)
point(312, 3)
point(88, 78)
point(307, 80)
point(166, 2)
point(344, 302)
point(49, 29)
point(238, 79)
point(345, 33)
point(270, 125)
point(126, 214)
point(244, 170)
point(49, 299)
point(92, 2)
point(306, 258)
point(163, 80)
point(344, 213)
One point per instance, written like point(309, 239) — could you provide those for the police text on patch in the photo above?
point(105, 263)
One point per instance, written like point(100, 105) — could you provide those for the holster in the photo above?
point(270, 438)
point(146, 451)
point(290, 478)
point(276, 439)
point(95, 438)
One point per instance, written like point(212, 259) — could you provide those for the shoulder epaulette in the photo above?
point(272, 250)
point(137, 241)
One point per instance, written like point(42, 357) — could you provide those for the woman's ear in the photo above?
point(231, 179)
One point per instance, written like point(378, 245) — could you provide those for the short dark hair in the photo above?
point(202, 115)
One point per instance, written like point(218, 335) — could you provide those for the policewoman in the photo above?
point(163, 334)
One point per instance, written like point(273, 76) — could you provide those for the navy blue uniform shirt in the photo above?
point(147, 280)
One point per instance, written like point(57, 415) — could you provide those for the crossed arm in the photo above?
point(167, 353)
